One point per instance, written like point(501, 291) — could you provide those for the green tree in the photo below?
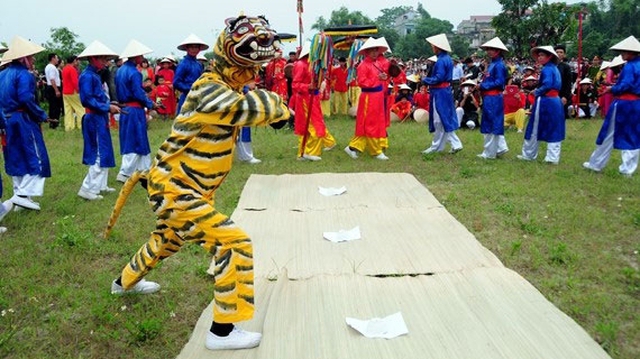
point(513, 24)
point(63, 42)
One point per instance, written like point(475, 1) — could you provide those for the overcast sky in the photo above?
point(163, 24)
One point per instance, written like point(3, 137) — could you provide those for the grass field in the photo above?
point(573, 234)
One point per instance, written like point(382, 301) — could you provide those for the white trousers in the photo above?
point(602, 153)
point(244, 151)
point(494, 144)
point(441, 138)
point(96, 179)
point(28, 185)
point(132, 162)
point(530, 146)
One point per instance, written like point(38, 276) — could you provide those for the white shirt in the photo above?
point(51, 72)
point(457, 72)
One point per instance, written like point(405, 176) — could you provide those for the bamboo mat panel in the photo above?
point(485, 313)
point(398, 241)
point(300, 192)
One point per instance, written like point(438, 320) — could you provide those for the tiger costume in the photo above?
point(192, 164)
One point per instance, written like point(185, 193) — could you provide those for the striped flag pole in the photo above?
point(300, 10)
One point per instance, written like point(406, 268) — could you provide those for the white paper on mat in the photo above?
point(329, 191)
point(387, 328)
point(343, 235)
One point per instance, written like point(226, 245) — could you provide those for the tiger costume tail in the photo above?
point(125, 191)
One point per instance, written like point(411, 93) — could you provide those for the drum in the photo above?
point(288, 71)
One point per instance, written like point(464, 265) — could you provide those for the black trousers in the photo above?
point(55, 106)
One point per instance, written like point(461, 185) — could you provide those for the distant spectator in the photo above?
point(73, 110)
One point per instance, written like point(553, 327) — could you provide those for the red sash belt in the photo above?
point(628, 96)
point(88, 110)
point(440, 85)
point(133, 104)
point(552, 93)
point(491, 92)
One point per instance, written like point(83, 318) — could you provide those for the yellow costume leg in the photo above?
point(313, 146)
point(509, 119)
point(195, 220)
point(358, 143)
point(328, 141)
point(376, 146)
point(326, 108)
point(519, 119)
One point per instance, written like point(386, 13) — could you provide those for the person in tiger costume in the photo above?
point(192, 164)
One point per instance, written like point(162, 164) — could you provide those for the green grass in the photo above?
point(574, 234)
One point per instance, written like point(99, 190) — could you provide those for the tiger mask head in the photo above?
point(245, 44)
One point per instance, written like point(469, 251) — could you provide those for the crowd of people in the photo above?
point(490, 94)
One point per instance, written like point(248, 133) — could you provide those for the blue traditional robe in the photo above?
point(187, 73)
point(133, 123)
point(626, 135)
point(95, 124)
point(493, 104)
point(25, 153)
point(442, 97)
point(548, 107)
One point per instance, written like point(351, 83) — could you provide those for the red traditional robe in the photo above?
point(306, 100)
point(371, 120)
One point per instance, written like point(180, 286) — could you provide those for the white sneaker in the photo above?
point(6, 208)
point(88, 195)
point(108, 189)
point(330, 147)
point(588, 166)
point(142, 287)
point(500, 153)
point(25, 202)
point(3, 230)
point(311, 158)
point(428, 151)
point(237, 339)
point(254, 161)
point(121, 178)
point(482, 155)
point(523, 158)
point(353, 154)
point(551, 162)
point(382, 157)
point(455, 150)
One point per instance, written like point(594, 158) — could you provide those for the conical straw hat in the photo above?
point(404, 87)
point(305, 49)
point(548, 49)
point(373, 43)
point(383, 43)
point(3, 49)
point(530, 78)
point(97, 48)
point(433, 58)
point(586, 81)
point(201, 57)
point(629, 44)
point(617, 61)
point(192, 40)
point(135, 48)
point(494, 43)
point(440, 41)
point(469, 83)
point(21, 47)
point(605, 65)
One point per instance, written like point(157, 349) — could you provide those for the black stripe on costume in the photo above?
point(180, 184)
point(191, 173)
point(187, 197)
point(216, 137)
point(248, 299)
point(226, 222)
point(225, 305)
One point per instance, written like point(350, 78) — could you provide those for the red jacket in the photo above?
point(70, 80)
point(513, 99)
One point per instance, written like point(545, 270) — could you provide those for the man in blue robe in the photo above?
point(189, 69)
